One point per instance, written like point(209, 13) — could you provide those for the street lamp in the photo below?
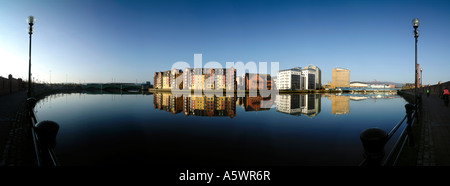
point(30, 21)
point(415, 24)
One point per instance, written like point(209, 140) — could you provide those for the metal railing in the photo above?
point(44, 137)
point(375, 139)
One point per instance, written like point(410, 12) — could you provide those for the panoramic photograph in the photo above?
point(224, 91)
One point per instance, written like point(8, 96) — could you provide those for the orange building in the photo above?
point(340, 78)
point(253, 81)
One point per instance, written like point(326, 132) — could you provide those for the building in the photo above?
point(289, 79)
point(318, 78)
point(157, 80)
point(176, 79)
point(240, 83)
point(258, 81)
point(230, 83)
point(308, 79)
point(340, 78)
point(358, 85)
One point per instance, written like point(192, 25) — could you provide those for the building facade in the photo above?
point(196, 79)
point(318, 76)
point(308, 79)
point(289, 79)
point(258, 81)
point(340, 78)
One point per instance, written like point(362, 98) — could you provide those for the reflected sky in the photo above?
point(163, 129)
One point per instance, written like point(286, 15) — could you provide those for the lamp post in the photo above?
point(415, 24)
point(30, 21)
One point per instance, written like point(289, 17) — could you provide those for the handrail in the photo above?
point(33, 133)
point(396, 127)
point(403, 134)
point(374, 139)
point(45, 155)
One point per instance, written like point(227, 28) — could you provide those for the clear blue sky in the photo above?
point(127, 41)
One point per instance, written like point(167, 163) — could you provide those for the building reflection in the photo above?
point(299, 104)
point(340, 104)
point(210, 105)
point(257, 103)
point(225, 106)
point(196, 105)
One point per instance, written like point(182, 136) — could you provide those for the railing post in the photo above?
point(373, 140)
point(409, 111)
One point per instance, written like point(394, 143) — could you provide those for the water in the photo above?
point(163, 130)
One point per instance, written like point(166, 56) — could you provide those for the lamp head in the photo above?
point(31, 20)
point(415, 23)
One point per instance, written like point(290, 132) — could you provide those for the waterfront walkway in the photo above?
point(435, 140)
point(15, 144)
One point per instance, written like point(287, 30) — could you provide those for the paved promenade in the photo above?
point(435, 133)
point(15, 146)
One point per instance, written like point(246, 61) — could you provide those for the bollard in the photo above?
point(31, 102)
point(373, 140)
point(46, 132)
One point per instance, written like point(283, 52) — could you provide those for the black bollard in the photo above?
point(46, 132)
point(373, 140)
point(31, 102)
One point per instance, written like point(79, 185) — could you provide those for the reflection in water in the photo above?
point(100, 129)
point(292, 104)
point(340, 104)
point(297, 104)
point(213, 105)
point(196, 105)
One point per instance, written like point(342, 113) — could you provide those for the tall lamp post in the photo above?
point(30, 21)
point(415, 24)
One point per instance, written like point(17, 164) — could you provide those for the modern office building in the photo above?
point(318, 77)
point(289, 79)
point(340, 78)
point(308, 79)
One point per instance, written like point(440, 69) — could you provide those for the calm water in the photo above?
point(163, 129)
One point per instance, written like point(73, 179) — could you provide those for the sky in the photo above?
point(85, 41)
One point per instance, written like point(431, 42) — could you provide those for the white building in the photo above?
point(308, 79)
point(289, 79)
point(358, 85)
point(318, 78)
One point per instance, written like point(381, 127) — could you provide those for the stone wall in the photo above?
point(435, 90)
